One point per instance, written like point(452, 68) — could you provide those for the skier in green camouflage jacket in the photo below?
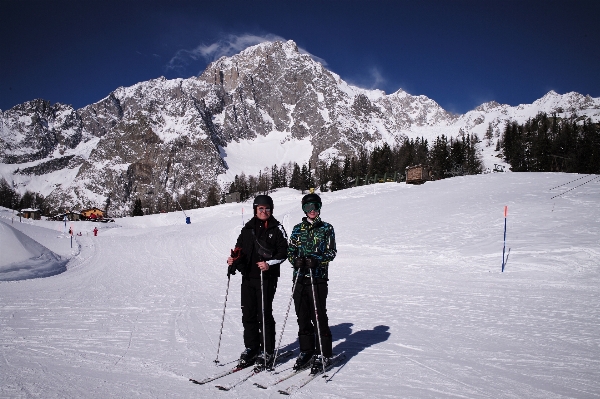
point(310, 249)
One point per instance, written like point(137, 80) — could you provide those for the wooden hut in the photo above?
point(29, 213)
point(232, 197)
point(92, 213)
point(418, 174)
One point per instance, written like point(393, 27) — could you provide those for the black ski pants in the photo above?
point(252, 312)
point(307, 322)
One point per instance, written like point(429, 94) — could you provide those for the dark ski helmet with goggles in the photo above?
point(311, 202)
point(264, 200)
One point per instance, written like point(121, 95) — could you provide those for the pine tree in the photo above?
point(296, 178)
point(489, 135)
point(213, 196)
point(137, 208)
point(336, 176)
point(322, 175)
point(346, 175)
point(439, 157)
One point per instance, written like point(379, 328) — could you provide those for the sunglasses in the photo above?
point(263, 210)
point(311, 206)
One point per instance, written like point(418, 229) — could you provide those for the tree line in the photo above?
point(336, 174)
point(552, 144)
point(10, 198)
point(340, 173)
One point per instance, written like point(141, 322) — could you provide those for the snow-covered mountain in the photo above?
point(269, 104)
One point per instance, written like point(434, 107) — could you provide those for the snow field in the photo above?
point(416, 297)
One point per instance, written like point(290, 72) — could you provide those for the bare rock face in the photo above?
point(34, 130)
point(162, 140)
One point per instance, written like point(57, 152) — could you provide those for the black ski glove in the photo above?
point(231, 270)
point(235, 254)
point(311, 263)
point(299, 263)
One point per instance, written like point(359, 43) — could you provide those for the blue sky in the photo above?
point(458, 53)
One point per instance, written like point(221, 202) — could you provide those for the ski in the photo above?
point(336, 360)
point(252, 373)
point(229, 387)
point(217, 376)
point(280, 380)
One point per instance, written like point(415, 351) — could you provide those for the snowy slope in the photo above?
point(417, 300)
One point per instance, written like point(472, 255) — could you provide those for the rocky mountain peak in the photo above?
point(163, 140)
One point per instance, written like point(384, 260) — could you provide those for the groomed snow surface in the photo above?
point(416, 300)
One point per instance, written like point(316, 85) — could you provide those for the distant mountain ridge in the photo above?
point(162, 138)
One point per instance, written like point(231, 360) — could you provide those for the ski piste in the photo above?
point(335, 361)
point(252, 373)
point(280, 380)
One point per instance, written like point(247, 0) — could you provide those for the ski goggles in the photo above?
point(311, 206)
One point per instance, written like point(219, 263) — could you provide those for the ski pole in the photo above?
point(286, 317)
point(312, 283)
point(223, 318)
point(262, 295)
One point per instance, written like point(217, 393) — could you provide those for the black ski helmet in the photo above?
point(262, 200)
point(312, 197)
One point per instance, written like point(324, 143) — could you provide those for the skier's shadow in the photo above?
point(353, 343)
point(356, 342)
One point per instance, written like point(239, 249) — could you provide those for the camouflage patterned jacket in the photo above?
point(316, 240)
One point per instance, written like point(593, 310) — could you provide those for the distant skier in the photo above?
point(95, 231)
point(311, 248)
point(260, 248)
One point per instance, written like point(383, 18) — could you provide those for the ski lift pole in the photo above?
point(187, 218)
point(504, 247)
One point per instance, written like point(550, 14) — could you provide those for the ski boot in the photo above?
point(259, 363)
point(303, 360)
point(247, 358)
point(319, 363)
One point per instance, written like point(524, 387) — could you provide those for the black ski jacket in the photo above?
point(271, 236)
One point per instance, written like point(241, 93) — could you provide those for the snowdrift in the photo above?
point(24, 258)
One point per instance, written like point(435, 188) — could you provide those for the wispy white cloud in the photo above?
point(378, 81)
point(225, 47)
point(371, 80)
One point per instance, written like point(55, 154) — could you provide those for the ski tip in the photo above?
point(196, 381)
point(284, 392)
point(256, 384)
point(222, 388)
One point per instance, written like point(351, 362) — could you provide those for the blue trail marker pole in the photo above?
point(504, 247)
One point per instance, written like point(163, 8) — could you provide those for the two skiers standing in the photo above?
point(260, 248)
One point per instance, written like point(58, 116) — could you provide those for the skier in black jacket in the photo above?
point(260, 248)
